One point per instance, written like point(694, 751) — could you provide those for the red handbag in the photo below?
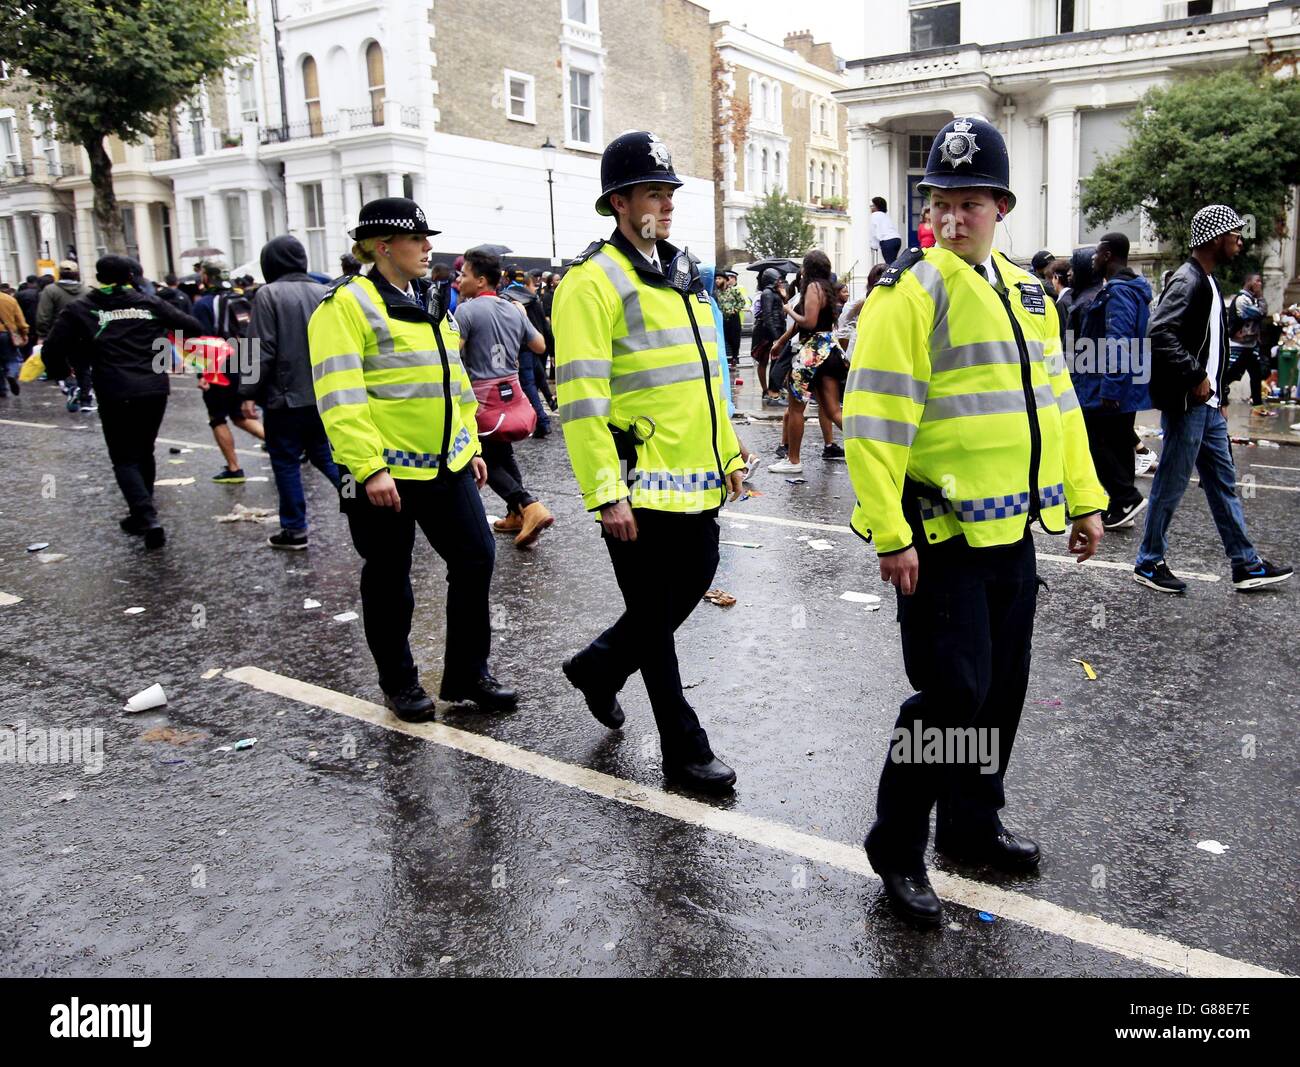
point(504, 412)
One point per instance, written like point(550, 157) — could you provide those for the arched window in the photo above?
point(375, 79)
point(763, 167)
point(812, 180)
point(835, 181)
point(751, 181)
point(767, 101)
point(311, 95)
point(776, 103)
point(776, 172)
point(823, 181)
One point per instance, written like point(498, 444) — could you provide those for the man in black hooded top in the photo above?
point(281, 382)
point(120, 335)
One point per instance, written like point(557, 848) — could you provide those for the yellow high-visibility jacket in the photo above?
point(962, 389)
point(628, 346)
point(388, 396)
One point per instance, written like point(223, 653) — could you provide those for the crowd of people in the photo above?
point(407, 384)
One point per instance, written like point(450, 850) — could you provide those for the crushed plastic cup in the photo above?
point(146, 699)
point(39, 546)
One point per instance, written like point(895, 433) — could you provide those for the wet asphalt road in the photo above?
point(337, 848)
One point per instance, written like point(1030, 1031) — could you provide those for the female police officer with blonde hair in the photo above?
point(399, 411)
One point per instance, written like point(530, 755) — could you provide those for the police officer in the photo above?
point(646, 427)
point(399, 412)
point(961, 429)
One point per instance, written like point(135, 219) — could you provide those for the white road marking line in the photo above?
point(160, 440)
point(797, 523)
point(1194, 576)
point(196, 444)
point(34, 425)
point(1274, 467)
point(1106, 564)
point(1150, 949)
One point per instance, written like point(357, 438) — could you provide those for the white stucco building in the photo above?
point(795, 139)
point(1058, 77)
point(448, 103)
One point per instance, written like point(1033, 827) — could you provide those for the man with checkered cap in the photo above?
point(961, 429)
point(1189, 368)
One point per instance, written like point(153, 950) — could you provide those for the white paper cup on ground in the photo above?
point(153, 697)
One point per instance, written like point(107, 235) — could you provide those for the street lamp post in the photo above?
point(548, 161)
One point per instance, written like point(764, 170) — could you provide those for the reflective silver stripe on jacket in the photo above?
point(648, 379)
point(983, 353)
point(932, 282)
point(871, 428)
point(888, 382)
point(582, 409)
point(405, 390)
point(617, 276)
point(582, 368)
point(375, 318)
point(674, 335)
point(334, 364)
point(997, 402)
point(340, 396)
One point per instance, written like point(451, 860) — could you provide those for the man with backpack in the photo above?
point(226, 315)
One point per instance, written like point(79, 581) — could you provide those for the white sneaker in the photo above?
point(784, 466)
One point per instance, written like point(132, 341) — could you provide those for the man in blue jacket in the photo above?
point(1110, 373)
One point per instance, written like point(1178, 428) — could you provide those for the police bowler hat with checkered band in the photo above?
point(969, 153)
point(1213, 221)
point(389, 215)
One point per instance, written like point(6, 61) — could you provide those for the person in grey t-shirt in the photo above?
point(492, 333)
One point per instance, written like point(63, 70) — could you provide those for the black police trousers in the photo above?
point(662, 576)
point(966, 634)
point(450, 513)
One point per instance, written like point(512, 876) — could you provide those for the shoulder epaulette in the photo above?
point(588, 252)
point(337, 284)
point(904, 262)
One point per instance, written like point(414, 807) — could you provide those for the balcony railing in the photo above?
point(297, 131)
point(34, 170)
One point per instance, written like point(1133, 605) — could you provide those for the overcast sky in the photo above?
point(839, 21)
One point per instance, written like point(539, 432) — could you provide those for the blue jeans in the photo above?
point(288, 432)
point(528, 379)
point(1196, 438)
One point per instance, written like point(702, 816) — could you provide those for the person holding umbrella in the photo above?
point(399, 412)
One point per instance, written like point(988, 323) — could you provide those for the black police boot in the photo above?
point(711, 776)
point(133, 525)
point(908, 891)
point(1003, 850)
point(604, 706)
point(485, 691)
point(155, 537)
point(411, 704)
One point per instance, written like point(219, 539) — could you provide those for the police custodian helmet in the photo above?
point(389, 215)
point(969, 152)
point(630, 159)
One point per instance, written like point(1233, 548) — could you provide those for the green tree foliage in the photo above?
point(777, 227)
point(118, 67)
point(1227, 138)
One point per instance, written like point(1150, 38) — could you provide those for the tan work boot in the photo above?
point(536, 518)
point(512, 523)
